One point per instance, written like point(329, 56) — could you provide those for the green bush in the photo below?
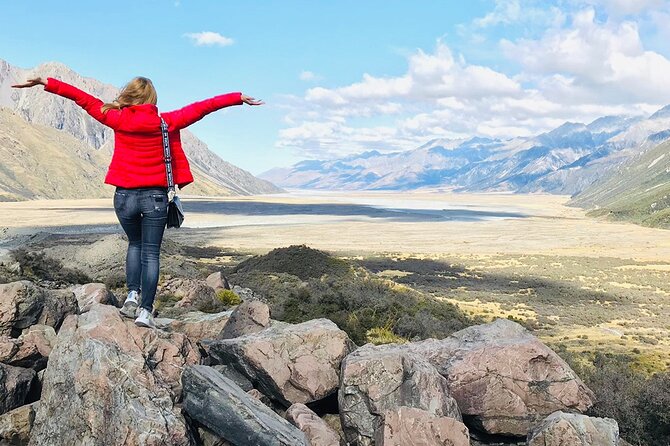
point(228, 298)
point(383, 335)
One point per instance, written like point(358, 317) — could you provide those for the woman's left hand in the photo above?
point(31, 83)
point(251, 101)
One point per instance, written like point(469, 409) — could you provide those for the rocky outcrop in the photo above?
point(569, 429)
point(111, 382)
point(289, 363)
point(222, 407)
point(91, 293)
point(504, 379)
point(407, 426)
point(23, 304)
point(15, 426)
point(15, 383)
point(378, 379)
point(316, 430)
point(196, 325)
point(247, 318)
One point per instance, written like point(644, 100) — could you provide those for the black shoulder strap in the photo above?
point(168, 159)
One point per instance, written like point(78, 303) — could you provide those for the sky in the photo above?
point(343, 77)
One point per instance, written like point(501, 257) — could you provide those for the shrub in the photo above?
point(37, 267)
point(228, 298)
point(383, 335)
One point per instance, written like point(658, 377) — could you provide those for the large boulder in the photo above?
point(111, 382)
point(217, 281)
point(23, 304)
point(91, 293)
point(289, 363)
point(15, 426)
point(222, 407)
point(407, 426)
point(569, 429)
point(504, 379)
point(196, 324)
point(316, 430)
point(377, 379)
point(247, 318)
point(15, 383)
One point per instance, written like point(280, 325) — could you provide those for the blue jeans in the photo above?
point(142, 213)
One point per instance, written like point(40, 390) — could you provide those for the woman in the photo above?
point(138, 172)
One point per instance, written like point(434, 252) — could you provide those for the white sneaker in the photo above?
point(145, 319)
point(131, 305)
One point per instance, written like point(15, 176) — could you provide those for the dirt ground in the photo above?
point(586, 283)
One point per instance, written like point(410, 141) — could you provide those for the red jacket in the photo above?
point(138, 144)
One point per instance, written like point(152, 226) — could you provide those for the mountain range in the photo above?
point(565, 160)
point(52, 149)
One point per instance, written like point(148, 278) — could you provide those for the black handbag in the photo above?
point(175, 215)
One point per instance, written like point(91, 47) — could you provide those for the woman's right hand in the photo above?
point(31, 83)
point(251, 101)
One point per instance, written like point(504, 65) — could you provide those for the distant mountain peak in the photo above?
point(662, 113)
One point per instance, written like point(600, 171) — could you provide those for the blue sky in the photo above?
point(341, 77)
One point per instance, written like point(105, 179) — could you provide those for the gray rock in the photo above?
point(15, 426)
point(569, 429)
point(248, 317)
point(110, 382)
point(289, 363)
point(222, 407)
point(15, 383)
point(377, 379)
point(196, 324)
point(229, 372)
point(23, 304)
point(316, 430)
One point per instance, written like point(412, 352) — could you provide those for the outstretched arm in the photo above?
point(86, 101)
point(178, 119)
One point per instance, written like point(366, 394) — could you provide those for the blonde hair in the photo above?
point(138, 91)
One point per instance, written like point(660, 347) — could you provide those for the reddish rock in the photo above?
point(407, 426)
point(504, 377)
point(316, 430)
point(103, 364)
point(91, 293)
point(248, 317)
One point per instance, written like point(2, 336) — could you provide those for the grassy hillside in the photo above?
point(638, 192)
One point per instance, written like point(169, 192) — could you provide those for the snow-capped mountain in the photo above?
point(565, 160)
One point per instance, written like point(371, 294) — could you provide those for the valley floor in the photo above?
point(581, 282)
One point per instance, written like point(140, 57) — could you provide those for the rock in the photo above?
point(91, 293)
point(407, 426)
point(209, 438)
point(221, 406)
point(15, 426)
point(111, 382)
point(376, 379)
point(23, 304)
point(31, 349)
point(196, 324)
point(504, 378)
point(289, 363)
point(316, 430)
point(247, 294)
point(569, 429)
point(235, 376)
point(248, 317)
point(333, 421)
point(255, 393)
point(15, 383)
point(217, 281)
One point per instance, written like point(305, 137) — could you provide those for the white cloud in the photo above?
point(308, 76)
point(627, 7)
point(209, 38)
point(581, 66)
